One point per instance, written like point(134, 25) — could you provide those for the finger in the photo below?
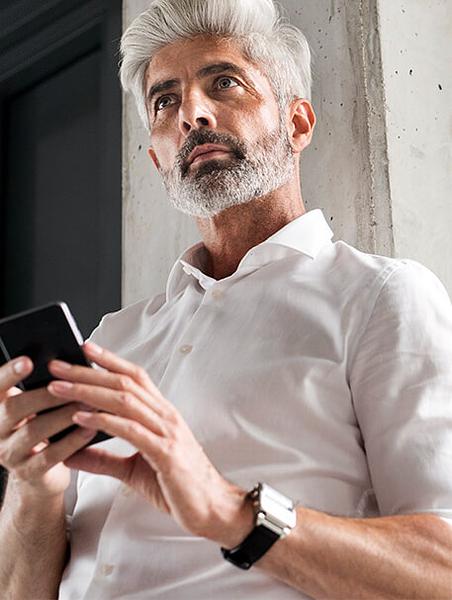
point(124, 404)
point(13, 372)
point(105, 378)
point(37, 465)
point(153, 447)
point(114, 363)
point(19, 445)
point(18, 407)
point(101, 462)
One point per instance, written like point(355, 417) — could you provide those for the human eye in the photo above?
point(224, 82)
point(162, 102)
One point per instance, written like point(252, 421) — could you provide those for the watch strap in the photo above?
point(252, 548)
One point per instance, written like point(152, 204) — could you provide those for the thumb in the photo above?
point(99, 461)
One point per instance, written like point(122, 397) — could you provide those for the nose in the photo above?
point(195, 112)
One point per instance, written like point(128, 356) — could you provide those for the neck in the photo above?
point(229, 235)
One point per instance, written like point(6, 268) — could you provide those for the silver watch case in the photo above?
point(273, 510)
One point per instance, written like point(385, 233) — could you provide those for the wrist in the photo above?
point(236, 519)
point(275, 518)
point(30, 516)
point(30, 499)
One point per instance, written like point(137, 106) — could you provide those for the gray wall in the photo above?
point(416, 39)
point(381, 193)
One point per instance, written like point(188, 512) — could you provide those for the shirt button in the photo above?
point(186, 349)
point(106, 569)
point(217, 294)
point(126, 490)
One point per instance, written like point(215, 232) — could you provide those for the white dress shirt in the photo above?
point(316, 368)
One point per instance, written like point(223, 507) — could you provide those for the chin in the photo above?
point(213, 166)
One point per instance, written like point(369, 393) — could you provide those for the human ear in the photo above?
point(154, 158)
point(302, 121)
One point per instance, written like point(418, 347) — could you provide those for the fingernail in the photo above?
point(60, 364)
point(93, 347)
point(81, 416)
point(20, 365)
point(87, 433)
point(61, 386)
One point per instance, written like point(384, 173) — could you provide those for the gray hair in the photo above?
point(264, 36)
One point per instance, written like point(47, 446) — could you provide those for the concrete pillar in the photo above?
point(417, 57)
point(379, 163)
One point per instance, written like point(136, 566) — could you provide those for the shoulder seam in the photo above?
point(381, 280)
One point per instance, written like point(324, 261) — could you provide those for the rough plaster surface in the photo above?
point(344, 171)
point(154, 234)
point(417, 57)
point(337, 173)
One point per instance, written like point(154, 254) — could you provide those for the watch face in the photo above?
point(277, 508)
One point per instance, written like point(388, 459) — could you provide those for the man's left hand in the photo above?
point(170, 468)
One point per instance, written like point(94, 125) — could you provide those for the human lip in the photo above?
point(207, 151)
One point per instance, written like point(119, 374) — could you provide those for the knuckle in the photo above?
point(124, 382)
point(42, 463)
point(132, 428)
point(168, 448)
point(140, 373)
point(173, 418)
point(126, 399)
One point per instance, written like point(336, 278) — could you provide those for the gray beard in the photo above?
point(252, 171)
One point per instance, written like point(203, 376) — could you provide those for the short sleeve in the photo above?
point(401, 383)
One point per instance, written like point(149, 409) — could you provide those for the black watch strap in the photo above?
point(252, 548)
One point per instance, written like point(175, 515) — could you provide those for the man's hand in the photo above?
point(34, 465)
point(170, 468)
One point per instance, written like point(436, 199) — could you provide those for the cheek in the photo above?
point(253, 125)
point(164, 144)
point(269, 119)
point(253, 116)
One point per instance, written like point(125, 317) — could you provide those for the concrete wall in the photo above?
point(417, 57)
point(154, 234)
point(345, 171)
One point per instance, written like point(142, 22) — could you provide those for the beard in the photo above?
point(251, 171)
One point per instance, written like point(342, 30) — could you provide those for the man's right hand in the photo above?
point(34, 465)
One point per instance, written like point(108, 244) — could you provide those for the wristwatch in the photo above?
point(275, 519)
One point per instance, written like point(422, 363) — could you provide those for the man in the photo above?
point(274, 356)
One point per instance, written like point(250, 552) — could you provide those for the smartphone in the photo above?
point(44, 333)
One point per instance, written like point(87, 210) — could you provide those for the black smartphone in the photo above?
point(44, 333)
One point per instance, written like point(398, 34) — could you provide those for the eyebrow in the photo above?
point(164, 86)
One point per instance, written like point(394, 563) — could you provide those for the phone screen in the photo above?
point(43, 334)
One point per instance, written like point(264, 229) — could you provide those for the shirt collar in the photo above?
point(306, 234)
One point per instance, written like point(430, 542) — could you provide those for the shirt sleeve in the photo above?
point(401, 383)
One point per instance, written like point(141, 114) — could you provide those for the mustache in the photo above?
point(207, 136)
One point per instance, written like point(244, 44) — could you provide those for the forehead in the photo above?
point(183, 58)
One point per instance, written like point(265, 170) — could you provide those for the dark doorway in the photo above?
point(60, 156)
point(60, 190)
